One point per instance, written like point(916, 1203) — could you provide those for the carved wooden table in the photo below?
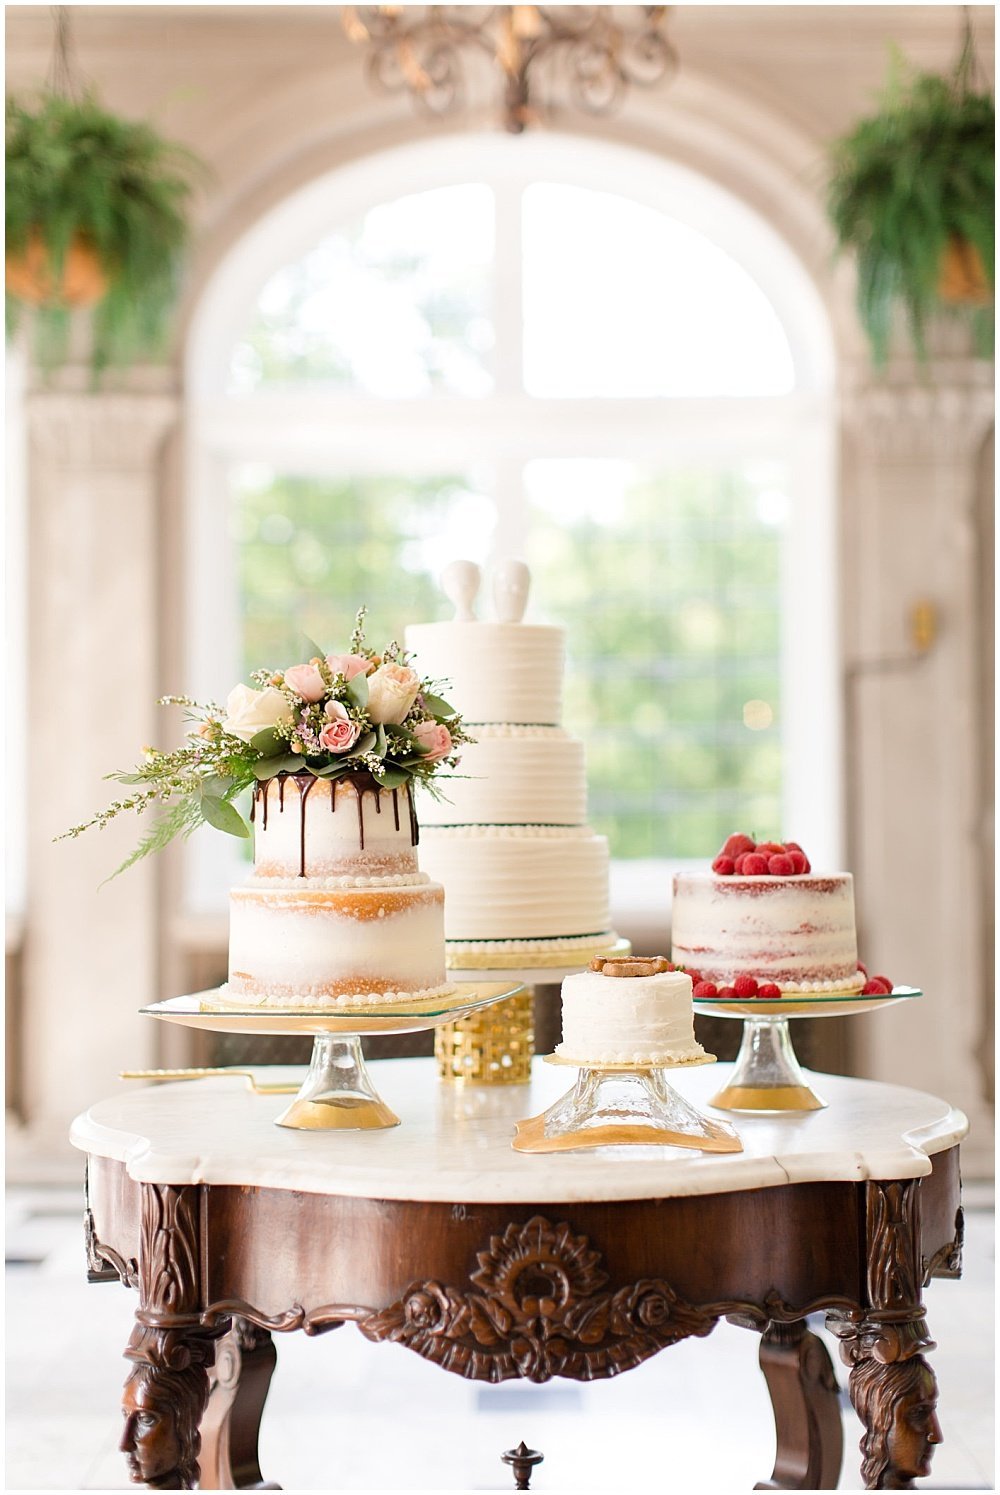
point(494, 1264)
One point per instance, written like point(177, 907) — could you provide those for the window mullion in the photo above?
point(508, 318)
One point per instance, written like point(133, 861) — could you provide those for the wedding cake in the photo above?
point(629, 1011)
point(761, 924)
point(522, 870)
point(337, 912)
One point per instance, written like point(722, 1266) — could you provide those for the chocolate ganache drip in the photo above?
point(362, 784)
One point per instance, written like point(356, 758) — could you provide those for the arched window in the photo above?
point(573, 352)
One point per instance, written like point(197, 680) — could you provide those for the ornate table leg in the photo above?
point(171, 1352)
point(244, 1364)
point(806, 1400)
point(892, 1386)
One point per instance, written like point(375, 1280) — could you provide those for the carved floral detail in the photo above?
point(540, 1312)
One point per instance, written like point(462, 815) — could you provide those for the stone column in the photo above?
point(914, 742)
point(90, 951)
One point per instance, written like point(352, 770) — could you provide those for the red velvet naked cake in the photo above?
point(762, 924)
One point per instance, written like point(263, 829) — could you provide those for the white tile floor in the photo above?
point(346, 1415)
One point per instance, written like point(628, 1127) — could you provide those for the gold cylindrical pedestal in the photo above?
point(491, 1047)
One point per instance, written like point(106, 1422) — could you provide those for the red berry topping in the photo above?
point(770, 991)
point(792, 846)
point(696, 976)
point(799, 861)
point(706, 989)
point(737, 844)
point(754, 865)
point(770, 848)
point(780, 865)
point(808, 864)
point(885, 980)
point(876, 987)
point(745, 986)
point(724, 866)
point(863, 969)
point(726, 991)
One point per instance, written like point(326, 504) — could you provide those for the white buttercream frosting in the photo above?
point(318, 997)
point(510, 776)
point(351, 834)
point(405, 880)
point(508, 886)
point(797, 932)
point(496, 672)
point(628, 1020)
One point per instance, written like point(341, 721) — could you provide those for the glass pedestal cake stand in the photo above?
point(623, 1105)
point(338, 1092)
point(767, 1075)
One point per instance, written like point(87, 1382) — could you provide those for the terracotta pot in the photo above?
point(962, 279)
point(30, 277)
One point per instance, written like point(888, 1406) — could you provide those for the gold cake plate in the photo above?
point(646, 1111)
point(338, 1093)
point(540, 967)
point(767, 1076)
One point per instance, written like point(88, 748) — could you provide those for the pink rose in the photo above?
point(306, 681)
point(434, 739)
point(340, 733)
point(392, 690)
point(349, 665)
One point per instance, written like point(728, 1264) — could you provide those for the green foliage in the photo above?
point(75, 169)
point(904, 182)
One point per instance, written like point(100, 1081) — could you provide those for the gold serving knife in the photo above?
point(259, 1087)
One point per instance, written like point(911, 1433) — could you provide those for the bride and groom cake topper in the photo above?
point(461, 580)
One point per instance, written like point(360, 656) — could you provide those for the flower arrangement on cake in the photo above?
point(362, 712)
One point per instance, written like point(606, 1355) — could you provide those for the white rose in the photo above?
point(392, 690)
point(251, 711)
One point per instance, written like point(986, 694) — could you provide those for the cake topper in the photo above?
point(460, 584)
point(511, 580)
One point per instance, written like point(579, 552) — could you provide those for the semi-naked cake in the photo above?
point(337, 913)
point(629, 1012)
point(762, 916)
point(522, 870)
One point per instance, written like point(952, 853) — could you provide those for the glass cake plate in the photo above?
point(767, 1075)
point(616, 1105)
point(338, 1092)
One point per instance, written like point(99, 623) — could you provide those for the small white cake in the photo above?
point(628, 1018)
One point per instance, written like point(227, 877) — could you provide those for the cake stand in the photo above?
point(337, 1093)
point(615, 1105)
point(768, 1076)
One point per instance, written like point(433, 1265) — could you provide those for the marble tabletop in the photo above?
point(454, 1141)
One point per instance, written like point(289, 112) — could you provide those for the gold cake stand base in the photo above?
point(618, 1105)
point(767, 1098)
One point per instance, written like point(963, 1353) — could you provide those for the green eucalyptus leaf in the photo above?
point(284, 763)
point(311, 648)
point(381, 746)
point(217, 787)
point(437, 707)
point(267, 742)
point(357, 690)
point(389, 776)
point(224, 816)
point(365, 744)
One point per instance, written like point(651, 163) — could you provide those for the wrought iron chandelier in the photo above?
point(588, 55)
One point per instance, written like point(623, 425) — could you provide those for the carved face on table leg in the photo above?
point(160, 1438)
point(915, 1430)
point(897, 1403)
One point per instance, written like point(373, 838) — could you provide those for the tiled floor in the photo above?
point(348, 1415)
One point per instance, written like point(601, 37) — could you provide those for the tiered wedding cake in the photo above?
point(337, 913)
point(522, 870)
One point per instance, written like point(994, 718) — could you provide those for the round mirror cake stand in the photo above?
point(623, 1105)
point(338, 1093)
point(767, 1076)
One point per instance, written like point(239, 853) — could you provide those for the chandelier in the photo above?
point(587, 54)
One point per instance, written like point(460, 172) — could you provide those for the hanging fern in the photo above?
point(905, 183)
point(74, 170)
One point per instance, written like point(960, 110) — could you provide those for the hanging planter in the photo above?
point(912, 194)
point(96, 215)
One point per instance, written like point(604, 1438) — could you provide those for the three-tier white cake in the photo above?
point(521, 868)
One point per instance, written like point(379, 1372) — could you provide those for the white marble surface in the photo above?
point(454, 1141)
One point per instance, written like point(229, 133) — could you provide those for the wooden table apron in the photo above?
point(490, 1291)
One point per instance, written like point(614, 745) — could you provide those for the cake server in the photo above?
point(259, 1087)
